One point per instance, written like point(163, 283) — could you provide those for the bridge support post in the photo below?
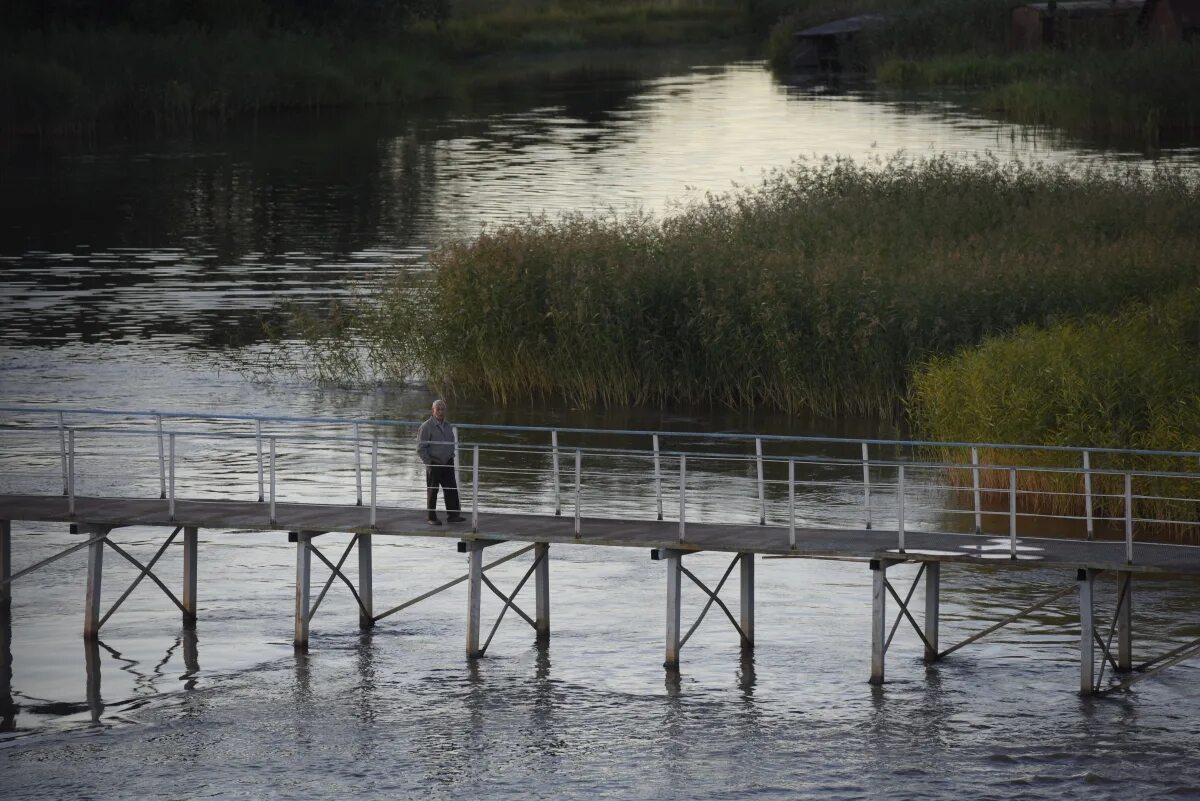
point(5, 563)
point(747, 606)
point(1125, 622)
point(933, 591)
point(674, 560)
point(95, 575)
point(878, 617)
point(541, 583)
point(1087, 631)
point(303, 588)
point(474, 596)
point(366, 585)
point(191, 538)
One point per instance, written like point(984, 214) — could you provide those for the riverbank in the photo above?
point(818, 291)
point(1126, 89)
point(72, 79)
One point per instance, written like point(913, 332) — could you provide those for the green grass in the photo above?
point(1135, 92)
point(1128, 380)
point(816, 291)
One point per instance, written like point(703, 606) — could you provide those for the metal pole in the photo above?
point(95, 575)
point(1128, 519)
point(454, 433)
point(900, 509)
point(474, 596)
point(374, 476)
point(71, 472)
point(578, 481)
point(866, 483)
point(878, 619)
point(1012, 513)
point(682, 496)
point(1087, 632)
point(792, 503)
point(191, 539)
point(554, 473)
point(5, 568)
point(933, 589)
point(259, 445)
point(674, 561)
point(357, 465)
point(62, 450)
point(975, 490)
point(1124, 622)
point(272, 511)
point(1087, 493)
point(162, 470)
point(366, 588)
point(747, 606)
point(171, 502)
point(657, 478)
point(303, 572)
point(762, 494)
point(541, 583)
point(474, 488)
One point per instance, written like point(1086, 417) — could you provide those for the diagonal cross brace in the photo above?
point(904, 611)
point(1010, 619)
point(508, 602)
point(54, 558)
point(336, 572)
point(713, 597)
point(904, 606)
point(145, 571)
point(1106, 647)
point(1145, 671)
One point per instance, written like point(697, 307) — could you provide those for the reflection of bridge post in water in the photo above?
point(191, 657)
point(8, 707)
point(91, 659)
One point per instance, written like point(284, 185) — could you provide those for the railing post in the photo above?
point(357, 465)
point(762, 494)
point(474, 488)
point(1012, 513)
point(1087, 493)
point(374, 476)
point(578, 482)
point(900, 510)
point(171, 502)
point(259, 447)
point(682, 496)
point(658, 477)
point(272, 510)
point(71, 472)
point(975, 490)
point(1128, 519)
point(162, 470)
point(866, 465)
point(554, 473)
point(62, 451)
point(454, 434)
point(792, 503)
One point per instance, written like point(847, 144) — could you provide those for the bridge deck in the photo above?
point(771, 540)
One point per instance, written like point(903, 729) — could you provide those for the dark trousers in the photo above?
point(441, 475)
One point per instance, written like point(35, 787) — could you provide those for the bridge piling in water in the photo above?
point(5, 563)
point(366, 583)
point(190, 576)
point(95, 576)
point(303, 589)
point(1086, 579)
point(541, 583)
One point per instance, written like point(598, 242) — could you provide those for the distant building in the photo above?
point(1076, 24)
point(832, 46)
point(1172, 20)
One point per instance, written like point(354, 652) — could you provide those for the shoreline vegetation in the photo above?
point(1125, 89)
point(96, 62)
point(818, 291)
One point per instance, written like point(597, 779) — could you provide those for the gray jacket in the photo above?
point(435, 442)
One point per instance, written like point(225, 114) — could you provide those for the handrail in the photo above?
point(723, 435)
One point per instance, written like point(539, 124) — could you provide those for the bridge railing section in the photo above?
point(1001, 490)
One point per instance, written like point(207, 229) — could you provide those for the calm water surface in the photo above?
point(130, 267)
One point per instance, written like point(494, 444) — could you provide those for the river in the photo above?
point(133, 267)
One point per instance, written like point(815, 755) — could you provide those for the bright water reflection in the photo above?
point(128, 264)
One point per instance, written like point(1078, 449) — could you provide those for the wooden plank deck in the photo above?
point(847, 544)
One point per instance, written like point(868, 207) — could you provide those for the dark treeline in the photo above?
point(351, 16)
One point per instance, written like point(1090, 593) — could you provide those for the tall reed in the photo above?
point(1129, 380)
point(814, 291)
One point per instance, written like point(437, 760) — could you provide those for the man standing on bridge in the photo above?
point(435, 446)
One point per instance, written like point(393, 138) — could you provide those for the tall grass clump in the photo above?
point(1124, 380)
point(814, 291)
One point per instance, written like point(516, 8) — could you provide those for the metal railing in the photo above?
point(773, 480)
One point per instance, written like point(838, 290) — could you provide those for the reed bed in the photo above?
point(1126, 380)
point(815, 291)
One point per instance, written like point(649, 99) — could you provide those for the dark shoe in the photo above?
point(456, 519)
point(433, 521)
